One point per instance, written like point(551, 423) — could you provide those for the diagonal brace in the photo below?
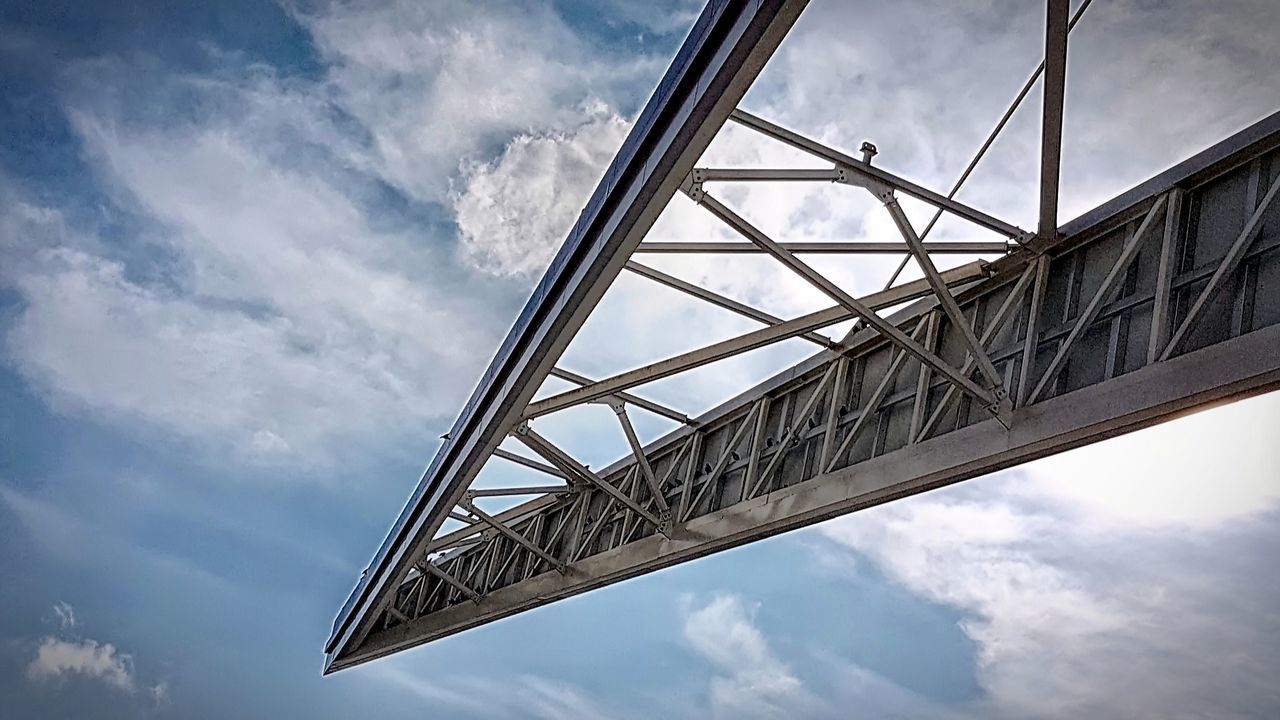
point(641, 459)
point(1128, 254)
point(1001, 317)
point(884, 327)
point(559, 458)
point(515, 537)
point(639, 402)
point(744, 343)
point(867, 172)
point(534, 464)
point(721, 301)
point(448, 578)
point(946, 299)
point(1225, 270)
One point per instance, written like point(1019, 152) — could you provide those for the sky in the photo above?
point(254, 256)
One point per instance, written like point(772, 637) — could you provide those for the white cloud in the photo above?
point(751, 681)
point(66, 615)
point(516, 211)
point(525, 696)
point(1196, 472)
point(438, 83)
point(267, 303)
point(57, 658)
point(263, 309)
point(551, 700)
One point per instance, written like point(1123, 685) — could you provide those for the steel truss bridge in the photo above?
point(1160, 302)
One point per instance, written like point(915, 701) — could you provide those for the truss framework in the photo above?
point(998, 341)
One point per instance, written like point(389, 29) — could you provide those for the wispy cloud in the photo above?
point(66, 615)
point(525, 696)
point(751, 681)
point(439, 83)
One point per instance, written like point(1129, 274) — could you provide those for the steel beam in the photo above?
point(993, 328)
point(822, 247)
point(515, 537)
point(743, 343)
point(643, 403)
point(526, 490)
point(858, 168)
point(1055, 85)
point(855, 306)
point(945, 299)
point(527, 462)
point(730, 304)
point(642, 460)
point(561, 459)
point(1241, 367)
point(451, 580)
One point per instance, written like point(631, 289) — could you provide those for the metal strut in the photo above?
point(559, 458)
point(857, 307)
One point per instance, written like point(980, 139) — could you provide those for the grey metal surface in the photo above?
point(846, 430)
point(1155, 303)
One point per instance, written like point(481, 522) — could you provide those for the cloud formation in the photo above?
point(59, 658)
point(751, 681)
point(526, 696)
point(515, 211)
point(1075, 609)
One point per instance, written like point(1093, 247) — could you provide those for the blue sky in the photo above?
point(254, 255)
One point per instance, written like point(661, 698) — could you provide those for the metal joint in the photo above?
point(692, 185)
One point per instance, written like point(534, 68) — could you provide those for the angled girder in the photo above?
point(823, 248)
point(651, 406)
point(720, 301)
point(743, 343)
point(857, 307)
point(856, 171)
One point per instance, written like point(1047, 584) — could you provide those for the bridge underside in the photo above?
point(1158, 303)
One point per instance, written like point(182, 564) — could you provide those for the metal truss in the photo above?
point(1139, 310)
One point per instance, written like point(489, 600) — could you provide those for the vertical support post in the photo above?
point(1055, 84)
point(1164, 276)
point(690, 474)
point(757, 447)
point(1033, 329)
point(921, 403)
point(833, 412)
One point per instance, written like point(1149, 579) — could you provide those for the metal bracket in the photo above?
point(692, 186)
point(850, 175)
